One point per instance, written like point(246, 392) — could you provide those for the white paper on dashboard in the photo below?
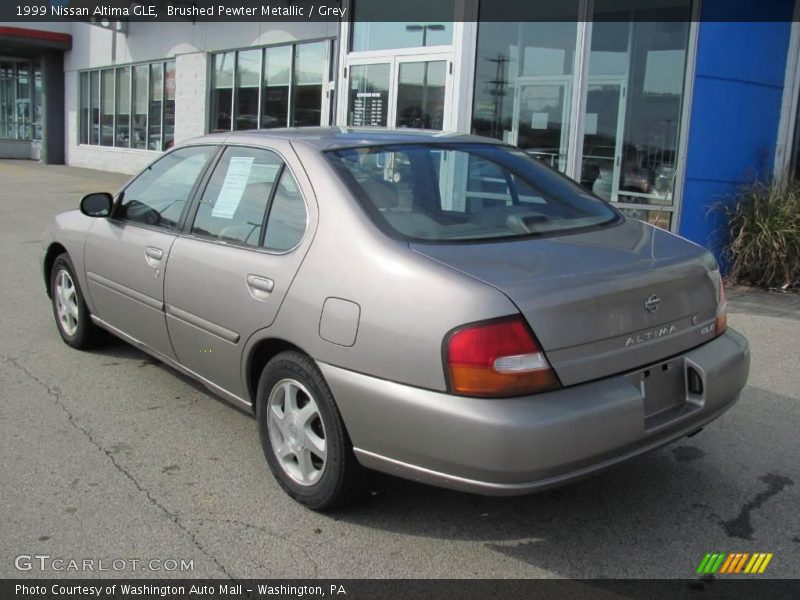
point(233, 187)
point(539, 120)
point(590, 124)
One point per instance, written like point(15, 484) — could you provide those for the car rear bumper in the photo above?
point(522, 445)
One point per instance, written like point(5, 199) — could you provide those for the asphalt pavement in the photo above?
point(108, 455)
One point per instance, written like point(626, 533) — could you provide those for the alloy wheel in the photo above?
point(296, 432)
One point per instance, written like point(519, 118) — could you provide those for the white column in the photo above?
point(191, 95)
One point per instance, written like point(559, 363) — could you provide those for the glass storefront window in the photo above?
point(370, 33)
point(277, 78)
point(169, 105)
point(127, 107)
point(523, 85)
point(634, 75)
point(107, 108)
point(156, 106)
point(248, 82)
point(83, 124)
point(291, 91)
point(633, 113)
point(20, 100)
point(368, 101)
point(123, 124)
point(420, 94)
point(222, 92)
point(309, 76)
point(94, 107)
point(139, 113)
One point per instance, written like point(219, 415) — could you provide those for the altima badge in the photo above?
point(652, 303)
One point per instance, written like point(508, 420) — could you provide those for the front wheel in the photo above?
point(69, 308)
point(302, 434)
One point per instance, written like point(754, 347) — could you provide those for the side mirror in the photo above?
point(98, 204)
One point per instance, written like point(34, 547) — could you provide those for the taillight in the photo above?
point(722, 310)
point(497, 358)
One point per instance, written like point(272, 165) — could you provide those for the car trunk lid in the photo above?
point(585, 294)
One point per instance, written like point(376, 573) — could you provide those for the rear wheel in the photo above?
point(303, 436)
point(69, 308)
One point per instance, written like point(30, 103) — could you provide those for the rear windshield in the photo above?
point(465, 192)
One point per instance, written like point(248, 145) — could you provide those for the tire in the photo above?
point(69, 308)
point(303, 437)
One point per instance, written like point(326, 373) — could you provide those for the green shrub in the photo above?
point(763, 235)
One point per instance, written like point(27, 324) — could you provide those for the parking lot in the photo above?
point(110, 455)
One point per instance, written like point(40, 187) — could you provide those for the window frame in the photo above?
point(180, 225)
point(99, 99)
point(328, 93)
point(190, 216)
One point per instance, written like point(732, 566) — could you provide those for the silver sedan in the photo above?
point(436, 306)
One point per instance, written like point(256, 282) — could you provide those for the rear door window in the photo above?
point(234, 204)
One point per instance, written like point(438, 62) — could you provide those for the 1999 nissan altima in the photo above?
point(440, 307)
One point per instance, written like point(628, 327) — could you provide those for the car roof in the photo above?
point(329, 138)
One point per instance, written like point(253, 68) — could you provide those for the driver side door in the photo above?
point(125, 254)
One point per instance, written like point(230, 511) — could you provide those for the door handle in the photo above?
point(153, 256)
point(260, 287)
point(154, 253)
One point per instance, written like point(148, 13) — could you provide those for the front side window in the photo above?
point(235, 201)
point(158, 196)
point(465, 192)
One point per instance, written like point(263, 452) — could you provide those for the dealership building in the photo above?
point(662, 116)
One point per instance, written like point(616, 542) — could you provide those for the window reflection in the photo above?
point(633, 110)
point(20, 100)
point(127, 107)
point(420, 94)
point(523, 85)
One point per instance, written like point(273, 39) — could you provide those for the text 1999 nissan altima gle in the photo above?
point(439, 307)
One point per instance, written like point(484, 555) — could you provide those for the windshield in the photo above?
point(465, 192)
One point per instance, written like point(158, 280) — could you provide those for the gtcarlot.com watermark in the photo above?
point(45, 562)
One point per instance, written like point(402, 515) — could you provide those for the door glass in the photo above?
point(309, 75)
point(286, 223)
point(369, 95)
point(543, 121)
point(158, 196)
point(420, 94)
point(235, 200)
point(600, 167)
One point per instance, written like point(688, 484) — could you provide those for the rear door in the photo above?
point(229, 272)
point(125, 255)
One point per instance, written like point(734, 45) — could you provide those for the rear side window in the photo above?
point(287, 216)
point(235, 201)
point(158, 196)
point(465, 192)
